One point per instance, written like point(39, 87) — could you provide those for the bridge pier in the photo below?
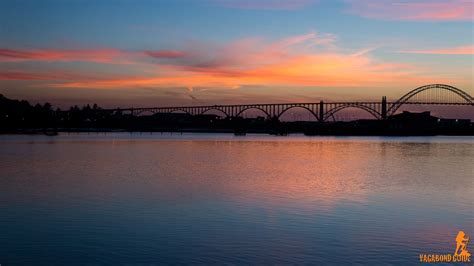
point(384, 107)
point(321, 111)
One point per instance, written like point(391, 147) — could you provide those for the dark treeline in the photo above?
point(22, 117)
point(18, 115)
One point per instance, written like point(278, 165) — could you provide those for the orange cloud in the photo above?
point(417, 10)
point(325, 69)
point(461, 50)
point(100, 56)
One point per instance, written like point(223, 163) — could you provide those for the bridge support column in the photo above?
point(384, 107)
point(321, 111)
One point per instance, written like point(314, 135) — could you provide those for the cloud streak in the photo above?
point(165, 54)
point(461, 50)
point(40, 75)
point(416, 10)
point(51, 55)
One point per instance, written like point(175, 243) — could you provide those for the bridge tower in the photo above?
point(384, 107)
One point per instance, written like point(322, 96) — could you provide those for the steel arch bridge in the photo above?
point(432, 94)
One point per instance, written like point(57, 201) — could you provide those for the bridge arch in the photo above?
point(253, 107)
point(464, 95)
point(214, 108)
point(180, 110)
point(297, 106)
point(336, 109)
point(140, 112)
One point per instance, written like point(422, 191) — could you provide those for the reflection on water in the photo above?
point(209, 198)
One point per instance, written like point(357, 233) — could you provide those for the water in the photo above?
point(215, 198)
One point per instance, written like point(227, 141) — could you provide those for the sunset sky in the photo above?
point(189, 52)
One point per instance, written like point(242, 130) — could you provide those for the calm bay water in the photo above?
point(214, 198)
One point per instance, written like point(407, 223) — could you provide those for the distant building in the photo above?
point(424, 123)
point(412, 121)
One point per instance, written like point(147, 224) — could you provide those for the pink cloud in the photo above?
point(243, 53)
point(165, 54)
point(265, 4)
point(416, 10)
point(100, 56)
point(29, 75)
point(461, 50)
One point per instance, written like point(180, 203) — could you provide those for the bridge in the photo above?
point(432, 94)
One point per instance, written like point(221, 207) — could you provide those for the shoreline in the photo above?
point(55, 132)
